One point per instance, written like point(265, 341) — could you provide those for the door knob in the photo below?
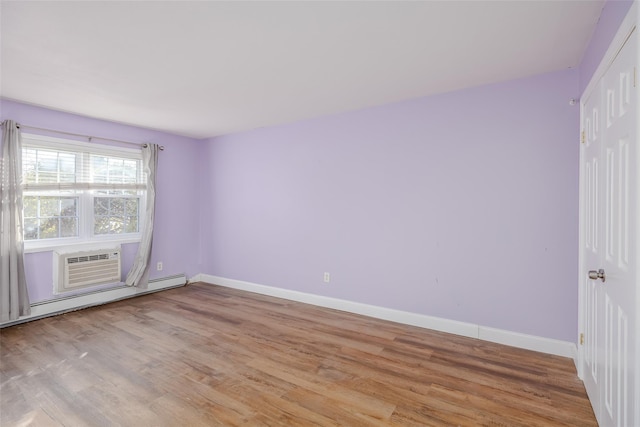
point(595, 275)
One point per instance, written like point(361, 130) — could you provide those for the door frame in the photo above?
point(630, 21)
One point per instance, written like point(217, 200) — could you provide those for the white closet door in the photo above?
point(610, 235)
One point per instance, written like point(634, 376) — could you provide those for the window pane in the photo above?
point(99, 164)
point(68, 206)
point(132, 224)
point(101, 206)
point(132, 206)
point(48, 177)
point(101, 225)
point(67, 163)
point(130, 171)
point(30, 176)
point(116, 224)
point(115, 170)
point(49, 206)
point(117, 206)
point(68, 227)
point(99, 169)
point(131, 165)
point(47, 161)
point(66, 177)
point(115, 163)
point(30, 206)
point(30, 229)
point(49, 228)
point(29, 163)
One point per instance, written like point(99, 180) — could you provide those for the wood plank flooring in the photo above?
point(204, 355)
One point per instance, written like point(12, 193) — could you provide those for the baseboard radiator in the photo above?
point(66, 303)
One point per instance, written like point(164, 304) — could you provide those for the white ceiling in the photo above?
point(208, 68)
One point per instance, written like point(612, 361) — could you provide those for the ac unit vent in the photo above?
point(81, 269)
point(71, 260)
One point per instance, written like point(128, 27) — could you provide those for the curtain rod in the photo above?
point(89, 137)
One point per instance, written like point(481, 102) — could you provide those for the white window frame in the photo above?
point(86, 238)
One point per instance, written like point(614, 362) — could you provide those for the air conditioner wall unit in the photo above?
point(77, 270)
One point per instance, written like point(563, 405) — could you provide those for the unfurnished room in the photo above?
point(319, 213)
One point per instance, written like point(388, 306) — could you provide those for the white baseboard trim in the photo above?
point(77, 302)
point(529, 342)
point(513, 339)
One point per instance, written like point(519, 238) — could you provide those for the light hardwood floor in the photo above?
point(205, 355)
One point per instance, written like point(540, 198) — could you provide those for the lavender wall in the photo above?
point(612, 15)
point(176, 223)
point(462, 206)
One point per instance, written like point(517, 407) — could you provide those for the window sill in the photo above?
point(77, 246)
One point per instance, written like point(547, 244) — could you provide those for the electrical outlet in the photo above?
point(159, 266)
point(327, 277)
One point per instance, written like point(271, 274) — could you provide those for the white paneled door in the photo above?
point(609, 228)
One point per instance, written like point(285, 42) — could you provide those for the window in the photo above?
point(79, 192)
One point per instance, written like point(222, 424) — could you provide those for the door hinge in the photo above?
point(635, 76)
point(582, 136)
point(581, 339)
